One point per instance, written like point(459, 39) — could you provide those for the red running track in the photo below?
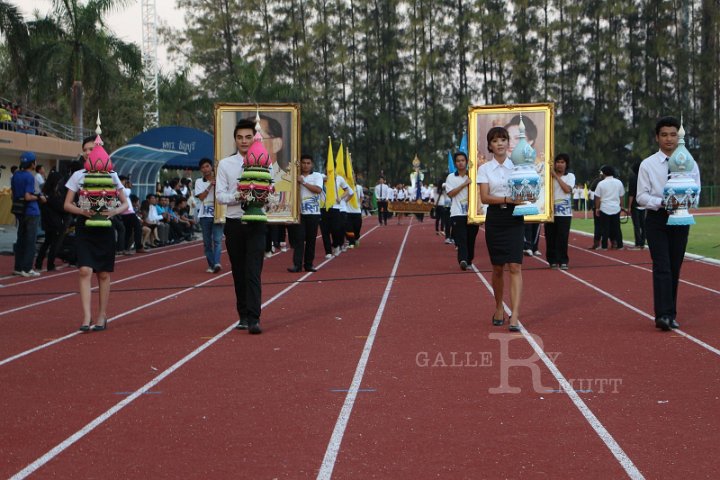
point(383, 364)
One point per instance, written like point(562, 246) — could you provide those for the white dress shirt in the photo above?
point(496, 175)
point(652, 177)
point(229, 171)
point(610, 190)
point(382, 192)
point(310, 201)
point(458, 203)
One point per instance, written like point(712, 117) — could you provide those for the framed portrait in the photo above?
point(280, 128)
point(539, 121)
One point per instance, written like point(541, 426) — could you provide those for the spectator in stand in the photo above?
point(6, 120)
point(39, 178)
point(131, 222)
point(150, 237)
point(155, 217)
point(184, 222)
point(23, 187)
point(212, 232)
point(53, 220)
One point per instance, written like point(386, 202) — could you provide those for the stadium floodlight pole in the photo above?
point(151, 104)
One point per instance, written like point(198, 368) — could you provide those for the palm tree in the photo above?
point(15, 32)
point(72, 47)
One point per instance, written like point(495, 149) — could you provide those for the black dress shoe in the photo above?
point(293, 269)
point(242, 324)
point(674, 324)
point(663, 323)
point(254, 328)
point(310, 269)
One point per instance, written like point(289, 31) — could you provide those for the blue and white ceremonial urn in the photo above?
point(524, 182)
point(681, 192)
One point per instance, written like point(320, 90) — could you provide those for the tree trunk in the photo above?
point(76, 105)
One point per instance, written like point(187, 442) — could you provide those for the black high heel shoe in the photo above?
point(85, 328)
point(497, 321)
point(98, 327)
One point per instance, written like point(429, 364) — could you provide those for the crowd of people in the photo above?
point(173, 217)
point(14, 119)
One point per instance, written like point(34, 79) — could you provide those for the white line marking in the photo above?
point(35, 304)
point(62, 446)
point(590, 417)
point(128, 312)
point(344, 417)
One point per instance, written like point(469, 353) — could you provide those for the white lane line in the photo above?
point(120, 315)
point(615, 448)
point(62, 446)
point(333, 447)
point(634, 309)
point(622, 262)
point(71, 270)
point(54, 299)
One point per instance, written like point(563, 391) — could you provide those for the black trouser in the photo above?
point(464, 235)
point(325, 230)
point(667, 249)
point(336, 219)
point(439, 218)
point(302, 238)
point(382, 206)
point(245, 244)
point(447, 222)
point(50, 246)
point(532, 236)
point(610, 228)
point(132, 227)
point(354, 225)
point(638, 219)
point(557, 235)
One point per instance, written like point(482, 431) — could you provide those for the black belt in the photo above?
point(500, 206)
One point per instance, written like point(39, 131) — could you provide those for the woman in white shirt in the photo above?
point(504, 232)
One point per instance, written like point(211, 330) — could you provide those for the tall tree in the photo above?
point(72, 45)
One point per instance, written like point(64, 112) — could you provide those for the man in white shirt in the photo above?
point(354, 217)
point(245, 241)
point(303, 235)
point(212, 232)
point(608, 197)
point(382, 196)
point(667, 243)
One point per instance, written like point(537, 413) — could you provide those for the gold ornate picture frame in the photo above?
point(539, 120)
point(280, 124)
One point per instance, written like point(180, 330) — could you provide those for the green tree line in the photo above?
point(395, 78)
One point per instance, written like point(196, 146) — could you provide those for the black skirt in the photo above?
point(504, 235)
point(96, 248)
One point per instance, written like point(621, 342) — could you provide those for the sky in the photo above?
point(125, 23)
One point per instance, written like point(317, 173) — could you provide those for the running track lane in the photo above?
point(223, 399)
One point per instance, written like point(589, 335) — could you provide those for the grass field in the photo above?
point(704, 238)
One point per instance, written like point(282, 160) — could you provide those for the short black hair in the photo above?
point(244, 125)
point(150, 195)
point(565, 157)
point(203, 161)
point(607, 170)
point(497, 132)
point(457, 154)
point(88, 140)
point(306, 155)
point(666, 122)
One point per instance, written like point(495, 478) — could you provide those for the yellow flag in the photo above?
point(351, 180)
point(330, 194)
point(340, 162)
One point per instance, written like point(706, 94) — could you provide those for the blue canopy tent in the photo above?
point(164, 147)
